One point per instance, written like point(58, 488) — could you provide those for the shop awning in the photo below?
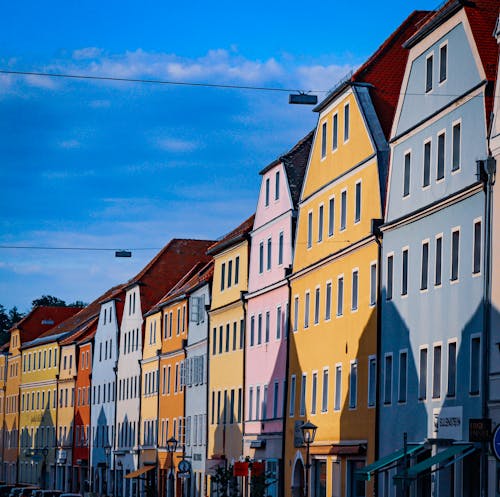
point(140, 471)
point(367, 472)
point(455, 452)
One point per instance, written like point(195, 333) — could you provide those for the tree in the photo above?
point(48, 300)
point(15, 316)
point(7, 321)
point(78, 303)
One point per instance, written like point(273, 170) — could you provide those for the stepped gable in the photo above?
point(168, 267)
point(41, 319)
point(238, 234)
point(295, 162)
point(385, 70)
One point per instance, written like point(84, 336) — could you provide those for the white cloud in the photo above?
point(69, 144)
point(87, 53)
point(176, 144)
point(319, 77)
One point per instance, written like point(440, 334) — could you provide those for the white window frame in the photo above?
point(359, 182)
point(307, 308)
point(353, 398)
point(460, 155)
point(331, 216)
point(451, 341)
point(401, 352)
point(353, 308)
point(337, 395)
point(321, 222)
point(317, 305)
point(426, 142)
point(371, 358)
point(435, 345)
point(428, 243)
point(430, 90)
point(325, 393)
point(340, 308)
point(407, 153)
point(438, 236)
point(407, 249)
point(453, 230)
point(324, 140)
point(335, 146)
point(388, 402)
point(442, 82)
point(343, 210)
point(440, 133)
point(348, 127)
point(309, 229)
point(328, 305)
point(474, 222)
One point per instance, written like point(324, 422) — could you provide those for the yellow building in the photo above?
point(226, 346)
point(334, 283)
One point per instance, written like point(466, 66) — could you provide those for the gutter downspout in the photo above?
point(207, 389)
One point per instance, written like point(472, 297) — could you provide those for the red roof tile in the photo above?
point(233, 236)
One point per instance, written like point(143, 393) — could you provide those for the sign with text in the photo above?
point(480, 430)
point(448, 423)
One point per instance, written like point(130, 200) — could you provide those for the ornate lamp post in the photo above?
point(171, 448)
point(308, 433)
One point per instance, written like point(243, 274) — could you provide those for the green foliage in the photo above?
point(78, 303)
point(7, 321)
point(48, 300)
point(260, 483)
point(226, 485)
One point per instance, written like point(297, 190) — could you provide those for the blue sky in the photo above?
point(128, 165)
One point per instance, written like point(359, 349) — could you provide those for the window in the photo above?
point(353, 385)
point(277, 186)
point(407, 173)
point(229, 273)
point(320, 223)
point(340, 296)
point(236, 270)
point(316, 305)
point(443, 62)
point(476, 256)
point(475, 365)
point(259, 329)
point(296, 314)
point(354, 289)
point(309, 229)
point(390, 275)
point(328, 301)
point(303, 385)
point(331, 216)
point(373, 283)
point(268, 326)
point(388, 379)
point(346, 122)
point(276, 398)
point(221, 331)
point(455, 243)
point(258, 411)
point(338, 387)
point(455, 151)
point(372, 381)
point(343, 210)
point(228, 333)
point(436, 373)
point(427, 164)
point(424, 269)
point(278, 323)
point(269, 253)
point(323, 140)
point(357, 209)
point(293, 387)
point(439, 260)
point(222, 276)
point(428, 73)
point(267, 192)
point(280, 248)
point(235, 335)
point(261, 257)
point(335, 132)
point(452, 369)
point(214, 341)
point(404, 273)
point(440, 156)
point(306, 310)
point(403, 376)
point(324, 400)
point(314, 388)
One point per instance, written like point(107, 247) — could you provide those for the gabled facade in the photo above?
point(433, 251)
point(271, 256)
point(333, 339)
point(226, 345)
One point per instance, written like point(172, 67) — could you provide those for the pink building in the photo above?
point(266, 347)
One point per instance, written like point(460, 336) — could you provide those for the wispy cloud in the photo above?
point(69, 144)
point(176, 144)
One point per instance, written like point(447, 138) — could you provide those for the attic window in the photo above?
point(47, 321)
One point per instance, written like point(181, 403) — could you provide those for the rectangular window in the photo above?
point(427, 164)
point(331, 216)
point(278, 323)
point(269, 253)
point(343, 210)
point(235, 335)
point(455, 151)
point(316, 305)
point(424, 269)
point(353, 385)
point(268, 326)
point(261, 257)
point(280, 248)
point(306, 310)
point(403, 376)
point(222, 276)
point(314, 388)
point(237, 270)
point(436, 373)
point(221, 335)
point(293, 387)
point(439, 260)
point(390, 276)
point(240, 404)
point(328, 301)
point(452, 369)
point(443, 62)
point(372, 381)
point(323, 140)
point(404, 273)
point(267, 192)
point(309, 229)
point(455, 245)
point(440, 156)
point(346, 122)
point(407, 174)
point(228, 333)
point(250, 403)
point(295, 313)
point(335, 132)
point(320, 223)
point(214, 341)
point(476, 250)
point(354, 296)
point(229, 273)
point(276, 399)
point(277, 186)
point(388, 379)
point(338, 387)
point(303, 385)
point(259, 329)
point(475, 365)
point(340, 296)
point(357, 209)
point(428, 73)
point(373, 283)
point(324, 400)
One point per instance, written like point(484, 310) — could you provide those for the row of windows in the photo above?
point(83, 396)
point(269, 257)
point(232, 279)
point(229, 406)
point(107, 314)
point(232, 339)
point(260, 326)
point(178, 431)
point(335, 131)
point(127, 434)
point(168, 322)
point(46, 359)
point(11, 438)
point(39, 437)
point(197, 309)
point(441, 156)
point(438, 261)
point(150, 384)
point(11, 404)
point(13, 370)
point(33, 401)
point(149, 427)
point(102, 435)
point(84, 360)
point(267, 188)
point(318, 233)
point(131, 303)
point(82, 435)
point(263, 406)
point(108, 393)
point(128, 388)
point(443, 67)
point(195, 373)
point(130, 341)
point(195, 429)
point(177, 380)
point(108, 350)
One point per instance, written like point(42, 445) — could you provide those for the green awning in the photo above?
point(367, 472)
point(461, 450)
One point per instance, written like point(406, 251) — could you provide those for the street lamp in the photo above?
point(171, 448)
point(308, 433)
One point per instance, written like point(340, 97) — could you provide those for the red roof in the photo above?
point(83, 333)
point(233, 236)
